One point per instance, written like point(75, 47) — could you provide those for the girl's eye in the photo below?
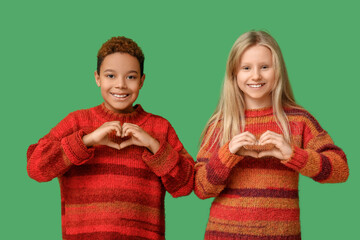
point(265, 67)
point(246, 68)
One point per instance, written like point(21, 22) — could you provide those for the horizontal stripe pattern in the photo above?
point(273, 193)
point(108, 193)
point(217, 235)
point(258, 198)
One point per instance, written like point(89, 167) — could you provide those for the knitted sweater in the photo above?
point(258, 198)
point(108, 193)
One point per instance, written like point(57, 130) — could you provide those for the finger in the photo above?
point(126, 143)
point(124, 129)
point(128, 131)
point(117, 125)
point(271, 153)
point(275, 142)
point(246, 135)
point(130, 124)
point(273, 137)
point(129, 128)
point(251, 135)
point(114, 126)
point(235, 147)
point(113, 145)
point(244, 138)
point(243, 142)
point(247, 143)
point(251, 153)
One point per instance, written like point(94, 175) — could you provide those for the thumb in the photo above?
point(113, 145)
point(271, 153)
point(126, 143)
point(251, 154)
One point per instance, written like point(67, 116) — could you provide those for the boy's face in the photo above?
point(120, 81)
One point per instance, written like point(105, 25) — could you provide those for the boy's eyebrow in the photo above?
point(110, 70)
point(132, 71)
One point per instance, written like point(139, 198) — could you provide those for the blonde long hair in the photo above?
point(229, 115)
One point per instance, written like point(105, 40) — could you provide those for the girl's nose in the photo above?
point(256, 75)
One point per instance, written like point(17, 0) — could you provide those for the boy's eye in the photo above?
point(110, 76)
point(131, 77)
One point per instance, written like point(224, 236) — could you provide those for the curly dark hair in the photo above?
point(122, 45)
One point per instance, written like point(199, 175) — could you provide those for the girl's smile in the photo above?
point(259, 85)
point(256, 76)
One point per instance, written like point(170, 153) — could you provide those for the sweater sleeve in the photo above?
point(213, 168)
point(319, 158)
point(57, 151)
point(173, 164)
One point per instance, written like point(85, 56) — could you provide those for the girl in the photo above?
point(255, 145)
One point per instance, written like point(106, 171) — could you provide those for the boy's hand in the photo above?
point(101, 135)
point(138, 137)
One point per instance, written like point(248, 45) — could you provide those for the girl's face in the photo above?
point(120, 81)
point(256, 76)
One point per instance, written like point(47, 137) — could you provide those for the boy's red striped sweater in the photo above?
point(258, 198)
point(108, 193)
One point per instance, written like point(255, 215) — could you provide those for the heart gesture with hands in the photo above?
point(137, 136)
point(282, 149)
point(269, 144)
point(237, 143)
point(101, 136)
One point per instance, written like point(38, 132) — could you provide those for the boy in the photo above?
point(114, 161)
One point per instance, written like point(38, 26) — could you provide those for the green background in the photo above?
point(48, 56)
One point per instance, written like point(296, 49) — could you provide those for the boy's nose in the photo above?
point(121, 83)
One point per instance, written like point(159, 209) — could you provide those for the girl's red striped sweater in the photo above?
point(108, 193)
point(258, 198)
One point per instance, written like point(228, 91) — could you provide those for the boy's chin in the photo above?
point(117, 109)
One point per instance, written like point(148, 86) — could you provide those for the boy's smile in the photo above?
point(120, 81)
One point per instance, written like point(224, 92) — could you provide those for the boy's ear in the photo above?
point(97, 78)
point(142, 79)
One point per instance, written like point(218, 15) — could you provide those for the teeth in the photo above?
point(120, 96)
point(255, 85)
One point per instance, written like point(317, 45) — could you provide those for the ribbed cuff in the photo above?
point(75, 149)
point(220, 165)
point(163, 161)
point(227, 158)
point(297, 160)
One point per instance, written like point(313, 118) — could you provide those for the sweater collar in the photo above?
point(138, 116)
point(260, 112)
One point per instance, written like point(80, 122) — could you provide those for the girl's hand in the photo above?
point(101, 135)
point(237, 142)
point(138, 137)
point(282, 149)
